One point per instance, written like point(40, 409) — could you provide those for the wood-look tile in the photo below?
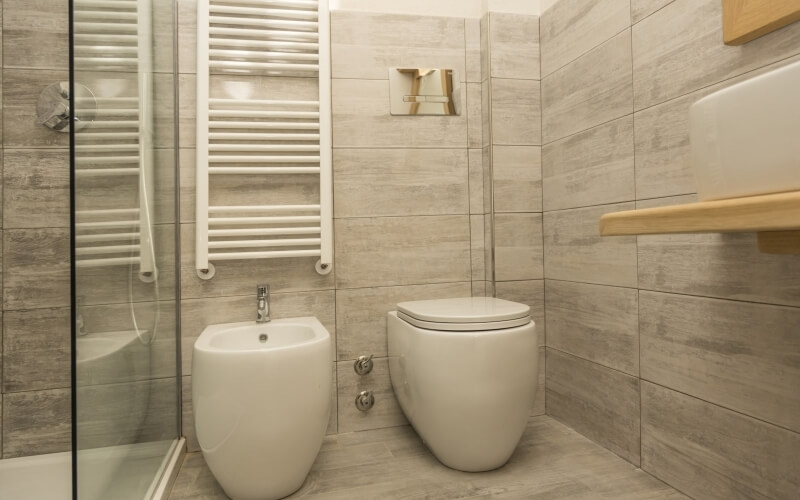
point(539, 399)
point(516, 111)
point(197, 314)
point(361, 314)
point(478, 248)
point(643, 8)
point(36, 350)
point(485, 54)
point(161, 413)
point(35, 34)
point(518, 247)
point(598, 402)
point(571, 28)
point(21, 89)
point(710, 452)
point(514, 46)
point(517, 178)
point(474, 115)
point(400, 182)
point(488, 182)
point(590, 168)
point(36, 271)
point(575, 251)
point(389, 251)
point(472, 35)
point(365, 45)
point(702, 264)
point(36, 188)
point(593, 89)
point(476, 188)
point(595, 322)
point(240, 277)
point(36, 423)
point(486, 112)
point(530, 293)
point(738, 355)
point(111, 414)
point(361, 118)
point(187, 36)
point(385, 413)
point(679, 49)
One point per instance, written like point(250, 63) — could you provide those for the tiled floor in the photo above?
point(552, 462)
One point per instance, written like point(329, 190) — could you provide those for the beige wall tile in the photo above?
point(518, 247)
point(476, 189)
point(738, 355)
point(36, 350)
point(478, 248)
point(39, 24)
point(402, 251)
point(472, 35)
point(575, 251)
point(479, 289)
point(36, 422)
point(514, 45)
point(21, 89)
point(187, 36)
point(600, 403)
point(36, 188)
point(394, 182)
point(679, 49)
point(361, 314)
point(517, 178)
point(484, 23)
point(197, 314)
point(365, 45)
point(591, 90)
point(361, 119)
point(516, 111)
point(643, 8)
point(539, 399)
point(187, 415)
point(590, 168)
point(36, 271)
point(486, 105)
point(594, 322)
point(531, 293)
point(474, 115)
point(570, 28)
point(385, 413)
point(710, 452)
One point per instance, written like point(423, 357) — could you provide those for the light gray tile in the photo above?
point(476, 174)
point(474, 115)
point(21, 89)
point(361, 119)
point(516, 112)
point(514, 45)
point(393, 182)
point(590, 168)
point(197, 314)
point(36, 188)
point(571, 28)
point(710, 452)
point(35, 34)
point(517, 178)
point(594, 322)
point(36, 350)
point(679, 49)
point(575, 251)
point(472, 34)
point(600, 403)
point(643, 8)
point(385, 413)
point(365, 45)
point(704, 264)
point(738, 355)
point(591, 90)
point(361, 314)
point(402, 250)
point(531, 293)
point(518, 247)
point(36, 423)
point(36, 270)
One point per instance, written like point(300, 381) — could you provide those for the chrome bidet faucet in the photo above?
point(262, 299)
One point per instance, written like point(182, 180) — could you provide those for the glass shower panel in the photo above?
point(126, 390)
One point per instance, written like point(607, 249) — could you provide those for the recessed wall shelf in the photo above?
point(775, 217)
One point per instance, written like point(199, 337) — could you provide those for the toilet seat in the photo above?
point(464, 314)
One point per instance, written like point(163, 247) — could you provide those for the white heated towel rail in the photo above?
point(117, 148)
point(263, 137)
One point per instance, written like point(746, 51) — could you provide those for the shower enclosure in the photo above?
point(126, 388)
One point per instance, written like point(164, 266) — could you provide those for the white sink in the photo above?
point(261, 399)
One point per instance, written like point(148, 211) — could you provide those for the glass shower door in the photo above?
point(126, 390)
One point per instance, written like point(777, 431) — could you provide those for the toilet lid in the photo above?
point(465, 314)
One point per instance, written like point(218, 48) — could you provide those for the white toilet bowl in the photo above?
point(465, 372)
point(261, 397)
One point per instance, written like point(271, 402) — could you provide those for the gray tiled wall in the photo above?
point(677, 352)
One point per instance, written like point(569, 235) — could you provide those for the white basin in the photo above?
point(261, 396)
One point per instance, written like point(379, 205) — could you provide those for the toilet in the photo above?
point(465, 372)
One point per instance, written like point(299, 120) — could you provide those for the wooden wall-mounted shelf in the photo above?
point(746, 20)
point(775, 217)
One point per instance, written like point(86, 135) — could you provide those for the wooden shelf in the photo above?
point(776, 217)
